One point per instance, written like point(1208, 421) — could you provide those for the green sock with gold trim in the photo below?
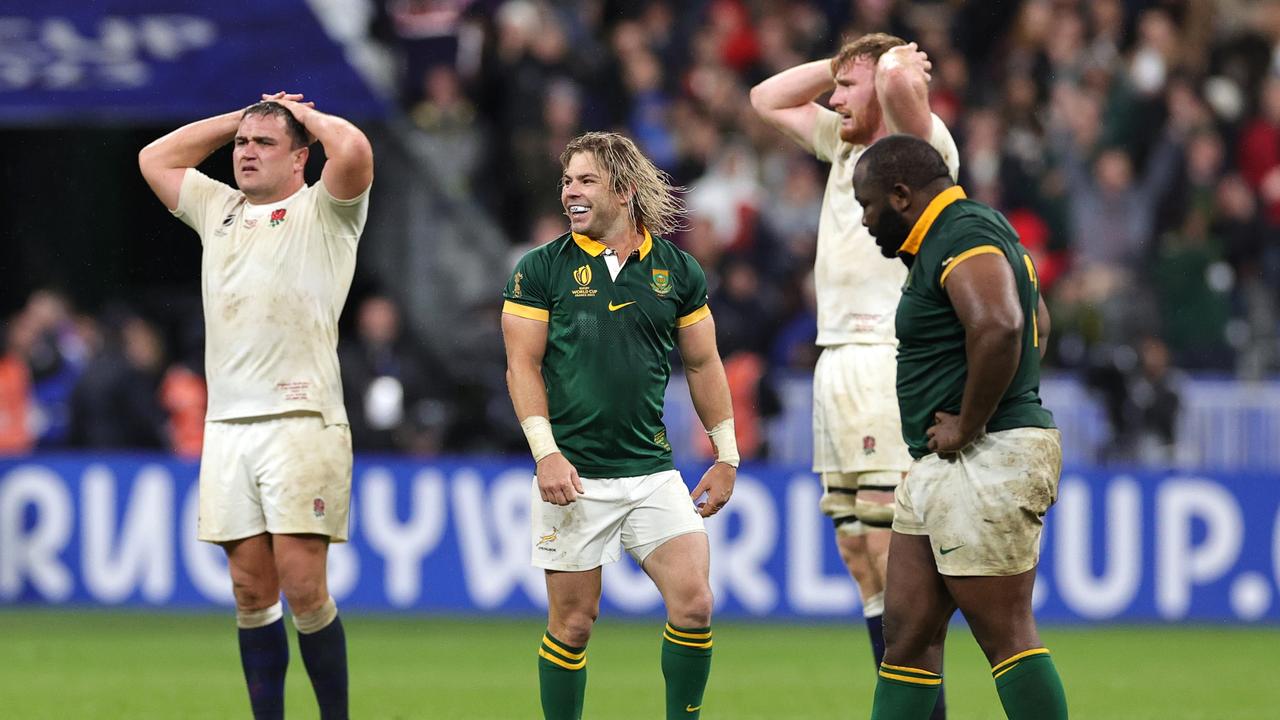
point(686, 665)
point(562, 679)
point(904, 693)
point(1030, 688)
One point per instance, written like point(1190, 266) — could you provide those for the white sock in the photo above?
point(873, 605)
point(318, 619)
point(250, 619)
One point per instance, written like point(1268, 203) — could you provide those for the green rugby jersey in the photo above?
point(606, 366)
point(932, 366)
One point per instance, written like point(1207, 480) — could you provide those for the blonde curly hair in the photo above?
point(655, 202)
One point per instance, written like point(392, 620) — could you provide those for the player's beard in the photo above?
point(890, 232)
point(864, 124)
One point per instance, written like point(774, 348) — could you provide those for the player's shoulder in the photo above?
point(667, 251)
point(967, 221)
point(548, 254)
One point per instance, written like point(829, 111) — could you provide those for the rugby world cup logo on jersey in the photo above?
point(661, 282)
point(582, 276)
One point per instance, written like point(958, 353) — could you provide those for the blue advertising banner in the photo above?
point(163, 61)
point(452, 536)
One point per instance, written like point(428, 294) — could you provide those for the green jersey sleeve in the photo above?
point(973, 238)
point(693, 293)
point(526, 293)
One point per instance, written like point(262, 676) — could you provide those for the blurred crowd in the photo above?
point(133, 378)
point(1134, 145)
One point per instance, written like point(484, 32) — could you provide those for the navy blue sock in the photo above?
point(325, 655)
point(940, 707)
point(264, 655)
point(875, 628)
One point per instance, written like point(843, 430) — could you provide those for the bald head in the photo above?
point(894, 181)
point(902, 160)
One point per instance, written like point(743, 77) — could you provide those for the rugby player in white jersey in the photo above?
point(275, 474)
point(879, 84)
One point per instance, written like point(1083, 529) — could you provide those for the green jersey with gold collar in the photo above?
point(932, 363)
point(606, 363)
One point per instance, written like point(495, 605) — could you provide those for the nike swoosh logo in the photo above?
point(944, 551)
point(615, 308)
point(690, 708)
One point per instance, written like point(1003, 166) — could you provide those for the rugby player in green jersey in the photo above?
point(589, 321)
point(966, 533)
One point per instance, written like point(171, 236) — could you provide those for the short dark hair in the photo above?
point(267, 108)
point(904, 159)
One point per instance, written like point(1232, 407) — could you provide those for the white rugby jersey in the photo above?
point(274, 279)
point(857, 287)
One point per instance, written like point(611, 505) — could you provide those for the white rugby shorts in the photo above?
point(856, 425)
point(637, 514)
point(282, 474)
point(983, 508)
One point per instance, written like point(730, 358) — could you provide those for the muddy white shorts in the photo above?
point(983, 509)
point(637, 514)
point(282, 474)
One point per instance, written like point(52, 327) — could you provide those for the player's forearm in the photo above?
point(903, 91)
point(793, 87)
point(992, 354)
point(709, 389)
point(528, 392)
point(342, 141)
point(189, 145)
point(1043, 326)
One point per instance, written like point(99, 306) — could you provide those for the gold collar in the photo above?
point(931, 213)
point(595, 247)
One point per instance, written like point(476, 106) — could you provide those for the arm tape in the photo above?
point(725, 442)
point(537, 430)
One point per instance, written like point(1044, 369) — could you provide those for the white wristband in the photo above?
point(726, 442)
point(537, 430)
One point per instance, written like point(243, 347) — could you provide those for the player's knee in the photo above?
point(693, 610)
point(574, 628)
point(254, 593)
point(306, 595)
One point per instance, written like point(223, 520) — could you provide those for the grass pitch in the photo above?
point(94, 664)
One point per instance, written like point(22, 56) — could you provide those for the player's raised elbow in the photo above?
point(353, 149)
point(148, 159)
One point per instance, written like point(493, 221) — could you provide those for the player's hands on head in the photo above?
point(558, 480)
point(717, 485)
point(294, 103)
point(946, 436)
point(906, 56)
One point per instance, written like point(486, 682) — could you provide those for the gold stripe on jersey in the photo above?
point(931, 213)
point(524, 311)
point(693, 317)
point(951, 263)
